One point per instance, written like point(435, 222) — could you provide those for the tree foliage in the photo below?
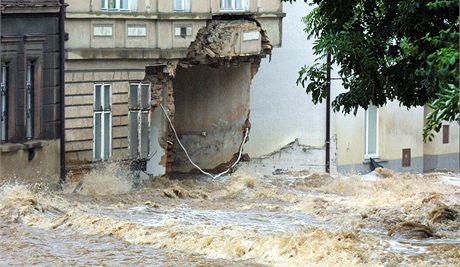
point(385, 50)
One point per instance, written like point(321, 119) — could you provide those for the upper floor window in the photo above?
point(233, 5)
point(182, 5)
point(117, 5)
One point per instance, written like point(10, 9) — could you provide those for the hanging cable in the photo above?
point(246, 134)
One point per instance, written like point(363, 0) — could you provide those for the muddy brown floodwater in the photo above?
point(245, 219)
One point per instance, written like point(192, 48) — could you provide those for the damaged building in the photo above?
point(134, 64)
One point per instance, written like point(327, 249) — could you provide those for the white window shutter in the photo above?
point(97, 135)
point(144, 134)
point(133, 134)
point(145, 96)
point(177, 31)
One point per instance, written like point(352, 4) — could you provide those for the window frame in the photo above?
point(233, 8)
point(139, 111)
point(186, 6)
point(368, 155)
point(117, 6)
point(104, 110)
point(186, 26)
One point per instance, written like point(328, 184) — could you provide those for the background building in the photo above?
point(126, 58)
point(289, 131)
point(31, 69)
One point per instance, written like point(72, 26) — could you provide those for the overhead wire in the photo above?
point(246, 134)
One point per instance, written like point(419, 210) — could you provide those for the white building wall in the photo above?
point(280, 110)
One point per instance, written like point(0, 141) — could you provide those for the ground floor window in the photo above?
point(139, 120)
point(102, 141)
point(30, 91)
point(371, 145)
point(4, 102)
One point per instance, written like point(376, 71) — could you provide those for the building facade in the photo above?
point(31, 74)
point(132, 62)
point(289, 131)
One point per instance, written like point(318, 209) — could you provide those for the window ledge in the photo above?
point(32, 144)
point(13, 147)
point(378, 160)
point(10, 147)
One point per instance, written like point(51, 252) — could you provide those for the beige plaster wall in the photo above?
point(273, 26)
point(398, 128)
point(80, 33)
point(16, 164)
point(436, 146)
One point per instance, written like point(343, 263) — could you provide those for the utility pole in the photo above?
point(328, 114)
point(62, 40)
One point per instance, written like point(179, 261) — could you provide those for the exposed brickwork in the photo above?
point(162, 87)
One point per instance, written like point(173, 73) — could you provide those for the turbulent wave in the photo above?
point(292, 219)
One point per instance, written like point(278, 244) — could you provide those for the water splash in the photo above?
point(243, 219)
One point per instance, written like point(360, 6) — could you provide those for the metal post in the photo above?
point(328, 113)
point(61, 90)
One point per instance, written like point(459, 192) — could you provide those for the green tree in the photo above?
point(385, 50)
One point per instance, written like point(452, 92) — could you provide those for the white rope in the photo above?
point(188, 156)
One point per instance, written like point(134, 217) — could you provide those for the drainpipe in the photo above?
point(328, 114)
point(61, 90)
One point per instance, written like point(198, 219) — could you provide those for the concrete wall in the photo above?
point(160, 34)
point(214, 101)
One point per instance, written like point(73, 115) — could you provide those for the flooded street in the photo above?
point(290, 219)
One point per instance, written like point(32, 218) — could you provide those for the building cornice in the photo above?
point(29, 10)
point(161, 15)
point(125, 53)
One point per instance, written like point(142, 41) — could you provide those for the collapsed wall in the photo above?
point(210, 107)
